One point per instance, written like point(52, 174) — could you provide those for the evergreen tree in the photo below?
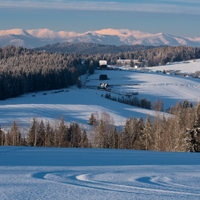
point(158, 129)
point(137, 126)
point(148, 134)
point(125, 137)
point(100, 139)
point(92, 120)
point(114, 139)
point(194, 132)
point(75, 132)
point(8, 139)
point(197, 116)
point(84, 143)
point(49, 136)
point(79, 83)
point(32, 134)
point(61, 139)
point(41, 135)
point(91, 67)
point(15, 135)
point(56, 138)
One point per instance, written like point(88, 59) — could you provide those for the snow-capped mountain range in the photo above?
point(40, 37)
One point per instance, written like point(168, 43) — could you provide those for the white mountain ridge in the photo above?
point(40, 37)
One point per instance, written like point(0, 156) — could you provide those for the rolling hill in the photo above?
point(76, 105)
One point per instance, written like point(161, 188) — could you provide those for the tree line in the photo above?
point(179, 131)
point(133, 101)
point(154, 55)
point(42, 134)
point(90, 48)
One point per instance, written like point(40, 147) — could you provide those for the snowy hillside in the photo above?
point(189, 67)
point(64, 173)
point(76, 105)
point(40, 37)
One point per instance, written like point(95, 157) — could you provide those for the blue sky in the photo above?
point(177, 17)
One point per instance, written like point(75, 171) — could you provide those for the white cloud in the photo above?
point(106, 6)
point(182, 1)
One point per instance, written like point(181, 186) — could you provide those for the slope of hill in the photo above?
point(76, 105)
point(40, 37)
point(64, 173)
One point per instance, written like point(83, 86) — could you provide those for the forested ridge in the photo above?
point(154, 55)
point(179, 132)
point(23, 70)
point(90, 48)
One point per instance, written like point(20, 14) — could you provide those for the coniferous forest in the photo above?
point(23, 70)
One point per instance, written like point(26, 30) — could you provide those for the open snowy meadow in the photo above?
point(76, 105)
point(64, 173)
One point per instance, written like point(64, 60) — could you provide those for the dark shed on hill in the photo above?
point(103, 77)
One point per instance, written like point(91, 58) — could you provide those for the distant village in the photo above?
point(125, 62)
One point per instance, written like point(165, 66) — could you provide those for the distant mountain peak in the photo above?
point(15, 31)
point(40, 37)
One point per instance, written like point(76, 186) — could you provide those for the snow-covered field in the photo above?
point(76, 105)
point(56, 173)
point(190, 66)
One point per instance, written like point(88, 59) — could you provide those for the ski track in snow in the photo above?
point(65, 173)
point(130, 182)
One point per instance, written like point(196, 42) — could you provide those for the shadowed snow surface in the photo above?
point(59, 173)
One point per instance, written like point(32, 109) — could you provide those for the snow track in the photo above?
point(62, 173)
point(129, 180)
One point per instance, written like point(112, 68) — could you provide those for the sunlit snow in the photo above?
point(76, 105)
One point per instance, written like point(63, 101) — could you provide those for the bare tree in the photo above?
point(158, 105)
point(2, 137)
point(84, 143)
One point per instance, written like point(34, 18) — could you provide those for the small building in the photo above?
point(132, 63)
point(103, 64)
point(103, 77)
point(124, 62)
point(138, 63)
